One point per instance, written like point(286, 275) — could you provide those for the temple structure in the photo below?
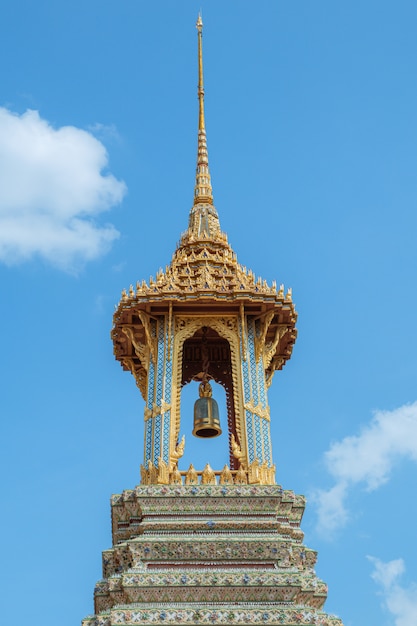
point(203, 545)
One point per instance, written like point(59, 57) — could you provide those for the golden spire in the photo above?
point(203, 193)
point(203, 221)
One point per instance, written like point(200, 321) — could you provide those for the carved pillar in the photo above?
point(159, 389)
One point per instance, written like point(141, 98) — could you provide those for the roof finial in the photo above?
point(203, 192)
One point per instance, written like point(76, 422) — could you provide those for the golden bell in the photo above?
point(206, 418)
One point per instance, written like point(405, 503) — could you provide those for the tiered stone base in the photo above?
point(209, 554)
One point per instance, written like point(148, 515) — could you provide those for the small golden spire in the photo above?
point(203, 193)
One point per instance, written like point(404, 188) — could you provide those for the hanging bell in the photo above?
point(206, 414)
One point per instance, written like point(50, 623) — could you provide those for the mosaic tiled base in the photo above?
point(215, 614)
point(209, 554)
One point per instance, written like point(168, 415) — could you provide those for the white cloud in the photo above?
point(52, 189)
point(331, 510)
point(400, 601)
point(367, 458)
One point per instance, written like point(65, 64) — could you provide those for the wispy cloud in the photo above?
point(53, 187)
point(400, 601)
point(105, 132)
point(368, 459)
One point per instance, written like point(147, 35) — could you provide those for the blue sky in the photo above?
point(311, 111)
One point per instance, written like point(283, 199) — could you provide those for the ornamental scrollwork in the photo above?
point(141, 351)
point(271, 346)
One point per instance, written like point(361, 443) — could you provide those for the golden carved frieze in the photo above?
point(254, 474)
point(205, 266)
point(228, 324)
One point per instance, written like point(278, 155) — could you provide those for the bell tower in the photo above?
point(205, 318)
point(203, 545)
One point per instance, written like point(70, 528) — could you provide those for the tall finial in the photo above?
point(199, 25)
point(203, 193)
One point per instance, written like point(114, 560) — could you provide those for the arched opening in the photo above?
point(207, 354)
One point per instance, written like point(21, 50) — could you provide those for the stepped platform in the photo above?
point(209, 554)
